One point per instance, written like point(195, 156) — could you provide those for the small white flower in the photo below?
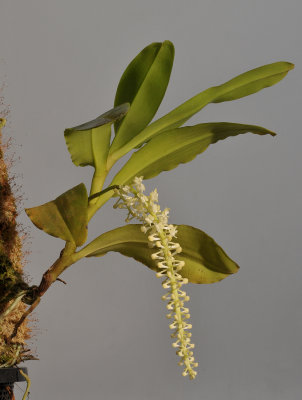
point(154, 196)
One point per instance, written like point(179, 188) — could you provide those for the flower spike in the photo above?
point(161, 237)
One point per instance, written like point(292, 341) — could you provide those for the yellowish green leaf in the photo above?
point(167, 150)
point(205, 261)
point(65, 217)
point(89, 143)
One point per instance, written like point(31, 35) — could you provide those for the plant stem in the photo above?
point(100, 202)
point(67, 258)
point(96, 185)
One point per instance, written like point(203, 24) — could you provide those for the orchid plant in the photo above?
point(177, 253)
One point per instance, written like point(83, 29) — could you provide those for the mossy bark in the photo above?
point(11, 271)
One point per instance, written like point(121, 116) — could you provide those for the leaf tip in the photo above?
point(271, 133)
point(168, 43)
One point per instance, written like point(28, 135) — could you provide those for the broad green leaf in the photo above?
point(205, 261)
point(167, 150)
point(243, 85)
point(143, 85)
point(65, 217)
point(89, 143)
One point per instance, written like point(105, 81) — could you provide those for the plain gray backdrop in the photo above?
point(105, 335)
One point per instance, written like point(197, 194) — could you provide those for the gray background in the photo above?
point(105, 335)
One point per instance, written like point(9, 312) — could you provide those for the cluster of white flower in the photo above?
point(160, 235)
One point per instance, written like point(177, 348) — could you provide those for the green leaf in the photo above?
point(241, 86)
point(89, 143)
point(252, 81)
point(143, 85)
point(167, 150)
point(65, 217)
point(205, 261)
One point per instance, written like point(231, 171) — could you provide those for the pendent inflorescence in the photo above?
point(161, 236)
